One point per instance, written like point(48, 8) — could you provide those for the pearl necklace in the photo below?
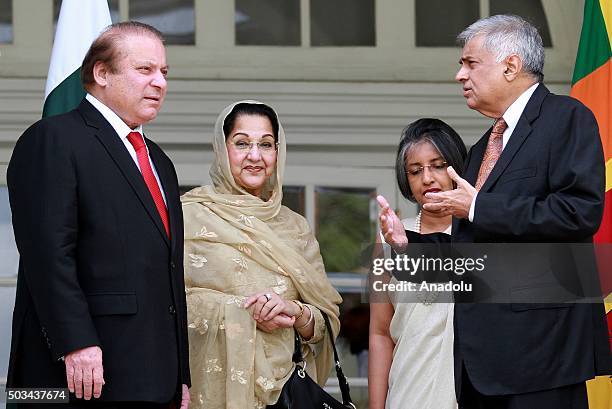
point(417, 222)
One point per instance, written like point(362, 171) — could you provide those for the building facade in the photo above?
point(346, 76)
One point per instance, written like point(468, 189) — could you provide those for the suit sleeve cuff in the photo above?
point(472, 207)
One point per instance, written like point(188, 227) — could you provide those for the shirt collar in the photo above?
point(514, 111)
point(113, 119)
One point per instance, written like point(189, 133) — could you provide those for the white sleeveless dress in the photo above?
point(421, 374)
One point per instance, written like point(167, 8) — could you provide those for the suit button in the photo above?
point(172, 265)
point(172, 310)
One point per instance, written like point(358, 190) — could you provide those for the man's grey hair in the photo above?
point(506, 34)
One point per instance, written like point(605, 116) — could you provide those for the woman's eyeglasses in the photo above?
point(263, 146)
point(436, 167)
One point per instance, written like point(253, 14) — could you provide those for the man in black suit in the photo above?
point(100, 305)
point(543, 182)
point(537, 176)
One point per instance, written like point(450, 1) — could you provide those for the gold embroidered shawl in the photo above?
point(236, 245)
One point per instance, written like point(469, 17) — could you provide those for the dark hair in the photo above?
point(245, 108)
point(107, 48)
point(441, 136)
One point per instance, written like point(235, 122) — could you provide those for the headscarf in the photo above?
point(235, 245)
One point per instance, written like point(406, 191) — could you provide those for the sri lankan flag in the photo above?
point(592, 84)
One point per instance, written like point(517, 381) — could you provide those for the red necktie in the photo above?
point(492, 153)
point(137, 142)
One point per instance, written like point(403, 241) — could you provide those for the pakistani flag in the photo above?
point(79, 23)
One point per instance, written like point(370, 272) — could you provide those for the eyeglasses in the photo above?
point(263, 146)
point(436, 167)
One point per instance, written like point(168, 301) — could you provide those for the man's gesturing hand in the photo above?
point(454, 202)
point(84, 371)
point(391, 226)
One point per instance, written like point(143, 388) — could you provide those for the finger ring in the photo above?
point(268, 296)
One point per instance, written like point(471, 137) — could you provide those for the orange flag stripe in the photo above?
point(595, 91)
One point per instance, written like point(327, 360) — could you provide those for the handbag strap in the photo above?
point(342, 383)
point(297, 348)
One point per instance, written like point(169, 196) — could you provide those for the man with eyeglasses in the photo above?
point(536, 176)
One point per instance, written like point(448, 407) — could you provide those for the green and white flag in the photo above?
point(79, 23)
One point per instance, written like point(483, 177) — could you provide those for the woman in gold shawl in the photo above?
point(253, 271)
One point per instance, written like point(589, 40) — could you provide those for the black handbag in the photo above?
point(301, 392)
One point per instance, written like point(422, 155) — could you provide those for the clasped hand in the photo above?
point(271, 311)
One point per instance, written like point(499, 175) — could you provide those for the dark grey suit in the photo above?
point(547, 186)
point(96, 265)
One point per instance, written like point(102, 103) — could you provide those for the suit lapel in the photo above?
point(475, 158)
point(519, 135)
point(117, 151)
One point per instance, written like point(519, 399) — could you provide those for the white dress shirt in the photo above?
point(123, 131)
point(511, 116)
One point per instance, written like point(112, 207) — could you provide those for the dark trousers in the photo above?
point(565, 397)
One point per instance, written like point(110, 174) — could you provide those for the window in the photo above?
point(345, 223)
point(294, 198)
point(439, 21)
point(113, 7)
point(305, 23)
point(411, 41)
point(267, 22)
point(345, 226)
point(6, 22)
point(531, 10)
point(458, 14)
point(356, 29)
point(174, 18)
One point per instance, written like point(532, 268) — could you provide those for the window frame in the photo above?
point(12, 28)
point(214, 56)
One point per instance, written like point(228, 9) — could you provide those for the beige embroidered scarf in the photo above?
point(236, 244)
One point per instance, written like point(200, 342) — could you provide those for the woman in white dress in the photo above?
point(411, 334)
